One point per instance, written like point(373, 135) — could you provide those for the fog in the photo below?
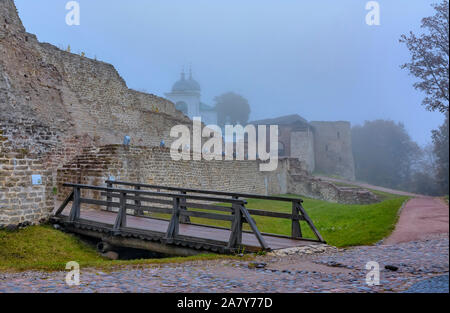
point(318, 59)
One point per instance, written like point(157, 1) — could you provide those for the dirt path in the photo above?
point(420, 217)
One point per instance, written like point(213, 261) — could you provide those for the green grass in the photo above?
point(382, 196)
point(44, 248)
point(340, 225)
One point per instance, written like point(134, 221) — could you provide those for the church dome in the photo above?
point(194, 85)
point(184, 84)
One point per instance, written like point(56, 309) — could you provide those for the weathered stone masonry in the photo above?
point(20, 201)
point(155, 166)
point(54, 104)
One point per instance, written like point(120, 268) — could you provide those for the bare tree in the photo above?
point(430, 58)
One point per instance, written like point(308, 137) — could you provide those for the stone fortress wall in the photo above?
point(325, 147)
point(54, 104)
point(73, 93)
point(21, 202)
point(302, 147)
point(64, 117)
point(154, 165)
point(333, 149)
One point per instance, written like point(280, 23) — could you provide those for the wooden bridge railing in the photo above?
point(176, 202)
point(298, 212)
point(238, 210)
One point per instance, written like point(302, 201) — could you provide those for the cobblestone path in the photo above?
point(333, 271)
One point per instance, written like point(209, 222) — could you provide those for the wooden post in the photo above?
point(64, 204)
point(296, 231)
point(121, 219)
point(236, 228)
point(310, 223)
point(75, 211)
point(108, 196)
point(254, 228)
point(174, 225)
point(184, 219)
point(138, 211)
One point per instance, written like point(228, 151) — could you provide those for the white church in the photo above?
point(186, 94)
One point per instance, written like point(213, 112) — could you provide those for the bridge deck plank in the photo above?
point(248, 239)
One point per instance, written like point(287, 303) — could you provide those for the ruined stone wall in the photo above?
point(301, 182)
point(75, 94)
point(333, 149)
point(102, 106)
point(302, 147)
point(77, 102)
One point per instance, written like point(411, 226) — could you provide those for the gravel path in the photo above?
point(332, 271)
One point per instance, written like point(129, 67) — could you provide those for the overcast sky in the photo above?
point(316, 58)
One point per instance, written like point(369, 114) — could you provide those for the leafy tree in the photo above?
point(430, 64)
point(423, 179)
point(384, 153)
point(430, 58)
point(441, 147)
point(232, 108)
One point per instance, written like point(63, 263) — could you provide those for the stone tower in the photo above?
point(333, 149)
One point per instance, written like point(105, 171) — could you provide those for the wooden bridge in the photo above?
point(157, 218)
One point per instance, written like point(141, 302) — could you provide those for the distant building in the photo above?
point(186, 94)
point(324, 147)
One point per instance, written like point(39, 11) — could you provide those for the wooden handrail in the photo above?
point(154, 193)
point(210, 192)
point(297, 214)
point(177, 212)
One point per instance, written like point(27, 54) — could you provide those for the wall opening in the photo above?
point(281, 149)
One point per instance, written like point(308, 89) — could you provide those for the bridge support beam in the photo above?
point(136, 243)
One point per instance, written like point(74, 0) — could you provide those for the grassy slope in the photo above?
point(340, 224)
point(42, 247)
